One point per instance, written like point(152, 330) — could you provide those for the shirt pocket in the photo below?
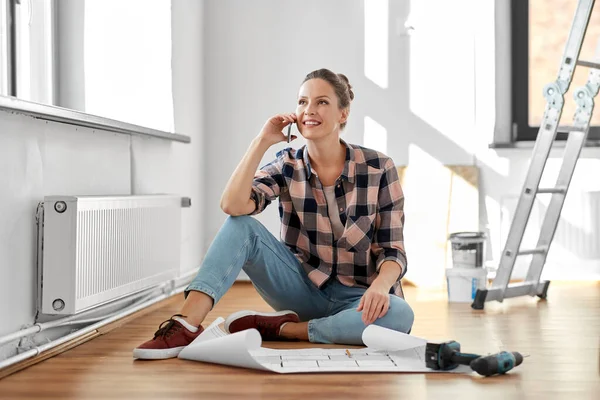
point(359, 232)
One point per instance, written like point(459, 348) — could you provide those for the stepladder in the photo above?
point(554, 93)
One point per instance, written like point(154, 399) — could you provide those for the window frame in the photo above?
point(8, 48)
point(9, 101)
point(521, 130)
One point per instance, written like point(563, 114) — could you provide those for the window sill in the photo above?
point(72, 117)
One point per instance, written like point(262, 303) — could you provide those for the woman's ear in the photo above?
point(345, 113)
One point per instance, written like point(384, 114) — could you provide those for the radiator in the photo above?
point(95, 249)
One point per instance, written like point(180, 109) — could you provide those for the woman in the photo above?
point(341, 256)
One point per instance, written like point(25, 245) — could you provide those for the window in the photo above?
point(61, 53)
point(540, 29)
point(25, 49)
point(7, 58)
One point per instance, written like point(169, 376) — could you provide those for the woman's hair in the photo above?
point(340, 84)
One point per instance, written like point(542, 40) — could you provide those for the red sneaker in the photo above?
point(168, 341)
point(268, 324)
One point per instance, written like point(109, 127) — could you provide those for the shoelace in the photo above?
point(167, 330)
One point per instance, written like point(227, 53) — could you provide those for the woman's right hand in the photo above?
point(271, 132)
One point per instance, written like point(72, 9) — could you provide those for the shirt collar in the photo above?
point(348, 173)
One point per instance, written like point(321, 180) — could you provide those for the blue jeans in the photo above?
point(244, 243)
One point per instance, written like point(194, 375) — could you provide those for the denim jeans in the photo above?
point(244, 243)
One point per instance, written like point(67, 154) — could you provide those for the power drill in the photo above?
point(447, 355)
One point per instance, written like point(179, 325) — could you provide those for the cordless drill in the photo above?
point(447, 356)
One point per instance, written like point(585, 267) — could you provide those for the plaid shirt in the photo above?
point(370, 205)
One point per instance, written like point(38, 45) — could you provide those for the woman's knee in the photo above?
point(240, 220)
point(399, 317)
point(242, 223)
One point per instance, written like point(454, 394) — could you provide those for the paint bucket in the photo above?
point(462, 283)
point(467, 249)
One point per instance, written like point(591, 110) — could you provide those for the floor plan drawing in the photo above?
point(386, 351)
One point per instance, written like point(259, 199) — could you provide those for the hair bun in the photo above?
point(345, 79)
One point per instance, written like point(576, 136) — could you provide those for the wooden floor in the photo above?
point(561, 335)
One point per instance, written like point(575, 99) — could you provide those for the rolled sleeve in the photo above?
point(267, 185)
point(388, 241)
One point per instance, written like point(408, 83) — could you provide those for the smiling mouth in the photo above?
point(311, 124)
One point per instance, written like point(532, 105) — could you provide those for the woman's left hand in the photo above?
point(375, 302)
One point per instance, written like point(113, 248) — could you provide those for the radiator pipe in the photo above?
point(178, 284)
point(42, 326)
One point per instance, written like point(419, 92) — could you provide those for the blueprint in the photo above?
point(386, 351)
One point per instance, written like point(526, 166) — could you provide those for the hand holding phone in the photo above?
point(274, 128)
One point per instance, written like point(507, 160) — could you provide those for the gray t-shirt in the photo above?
point(334, 215)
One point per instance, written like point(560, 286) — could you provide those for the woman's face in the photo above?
point(318, 110)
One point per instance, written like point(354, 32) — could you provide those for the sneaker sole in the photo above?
point(157, 354)
point(240, 314)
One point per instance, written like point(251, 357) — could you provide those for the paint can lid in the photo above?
point(467, 237)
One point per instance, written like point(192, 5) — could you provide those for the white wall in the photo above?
point(39, 158)
point(445, 95)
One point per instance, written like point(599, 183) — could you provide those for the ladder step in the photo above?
point(569, 129)
point(588, 64)
point(537, 250)
point(552, 190)
point(515, 290)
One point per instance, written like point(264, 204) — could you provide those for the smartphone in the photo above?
point(289, 133)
